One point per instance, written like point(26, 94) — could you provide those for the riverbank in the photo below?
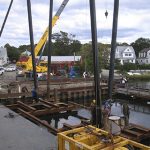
point(143, 77)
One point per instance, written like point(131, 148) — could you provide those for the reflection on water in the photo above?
point(140, 84)
point(138, 118)
point(71, 118)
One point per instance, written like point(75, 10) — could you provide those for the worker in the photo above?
point(24, 90)
point(34, 95)
point(107, 106)
point(93, 111)
point(126, 113)
point(84, 74)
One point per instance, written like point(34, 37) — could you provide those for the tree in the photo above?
point(22, 48)
point(65, 44)
point(104, 55)
point(12, 52)
point(140, 44)
point(87, 57)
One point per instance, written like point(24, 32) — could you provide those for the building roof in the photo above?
point(145, 50)
point(121, 49)
point(61, 58)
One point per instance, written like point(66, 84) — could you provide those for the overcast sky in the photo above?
point(134, 20)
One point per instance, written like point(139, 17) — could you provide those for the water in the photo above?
point(138, 118)
point(140, 84)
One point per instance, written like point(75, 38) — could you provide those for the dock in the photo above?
point(135, 92)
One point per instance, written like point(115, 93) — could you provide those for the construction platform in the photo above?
point(18, 133)
point(48, 114)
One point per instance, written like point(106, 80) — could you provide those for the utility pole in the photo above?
point(49, 47)
point(96, 64)
point(113, 48)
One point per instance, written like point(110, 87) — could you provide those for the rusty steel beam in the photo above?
point(13, 106)
point(49, 103)
point(25, 106)
point(65, 125)
point(15, 95)
point(38, 121)
point(54, 110)
point(136, 133)
point(41, 104)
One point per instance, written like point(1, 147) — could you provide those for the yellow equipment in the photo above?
point(92, 138)
point(27, 65)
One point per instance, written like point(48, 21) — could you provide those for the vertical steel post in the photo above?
point(6, 17)
point(96, 64)
point(49, 47)
point(113, 48)
point(32, 46)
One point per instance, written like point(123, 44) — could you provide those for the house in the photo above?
point(125, 54)
point(3, 56)
point(26, 53)
point(60, 62)
point(144, 56)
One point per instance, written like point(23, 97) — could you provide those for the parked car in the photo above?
point(1, 71)
point(10, 68)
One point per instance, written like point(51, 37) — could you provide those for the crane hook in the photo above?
point(106, 14)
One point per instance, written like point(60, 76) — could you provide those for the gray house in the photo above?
point(144, 56)
point(3, 56)
point(125, 54)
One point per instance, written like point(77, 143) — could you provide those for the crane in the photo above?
point(27, 65)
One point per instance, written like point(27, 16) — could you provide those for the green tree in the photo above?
point(12, 52)
point(87, 57)
point(104, 55)
point(22, 48)
point(140, 44)
point(64, 44)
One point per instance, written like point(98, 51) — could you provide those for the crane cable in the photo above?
point(106, 12)
point(6, 17)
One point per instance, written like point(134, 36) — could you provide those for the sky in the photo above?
point(133, 20)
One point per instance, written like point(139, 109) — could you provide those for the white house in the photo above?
point(144, 56)
point(125, 54)
point(3, 56)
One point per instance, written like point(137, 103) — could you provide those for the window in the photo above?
point(126, 54)
point(130, 55)
point(141, 60)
